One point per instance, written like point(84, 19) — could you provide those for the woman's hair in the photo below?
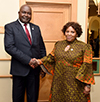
point(75, 26)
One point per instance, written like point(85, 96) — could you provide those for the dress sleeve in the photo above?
point(85, 73)
point(49, 61)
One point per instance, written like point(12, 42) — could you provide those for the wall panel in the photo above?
point(3, 54)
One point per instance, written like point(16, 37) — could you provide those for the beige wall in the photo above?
point(8, 12)
point(81, 16)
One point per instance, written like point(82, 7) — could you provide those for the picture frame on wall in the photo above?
point(95, 65)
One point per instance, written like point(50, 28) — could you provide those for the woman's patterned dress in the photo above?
point(71, 71)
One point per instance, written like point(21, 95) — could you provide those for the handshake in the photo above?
point(34, 63)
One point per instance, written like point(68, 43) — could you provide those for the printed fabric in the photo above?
point(71, 71)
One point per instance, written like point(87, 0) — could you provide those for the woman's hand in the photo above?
point(87, 89)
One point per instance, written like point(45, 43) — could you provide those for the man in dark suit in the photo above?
point(22, 50)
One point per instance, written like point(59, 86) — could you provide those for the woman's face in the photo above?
point(70, 34)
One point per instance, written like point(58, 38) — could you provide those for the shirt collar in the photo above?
point(22, 23)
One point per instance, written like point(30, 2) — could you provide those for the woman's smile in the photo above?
point(70, 34)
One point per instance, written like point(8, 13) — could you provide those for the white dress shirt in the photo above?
point(28, 27)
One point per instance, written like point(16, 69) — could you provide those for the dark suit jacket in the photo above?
point(18, 46)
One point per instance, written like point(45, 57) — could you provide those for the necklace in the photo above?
point(67, 48)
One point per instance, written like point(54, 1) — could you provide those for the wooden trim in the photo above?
point(22, 2)
point(1, 30)
point(5, 76)
point(49, 1)
point(5, 59)
point(74, 10)
point(73, 4)
point(96, 74)
point(96, 58)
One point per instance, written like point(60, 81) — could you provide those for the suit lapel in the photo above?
point(20, 28)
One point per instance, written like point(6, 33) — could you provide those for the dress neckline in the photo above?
point(69, 43)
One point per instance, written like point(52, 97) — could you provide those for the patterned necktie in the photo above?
point(27, 33)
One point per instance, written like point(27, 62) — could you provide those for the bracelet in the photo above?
point(89, 86)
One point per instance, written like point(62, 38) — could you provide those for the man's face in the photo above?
point(25, 14)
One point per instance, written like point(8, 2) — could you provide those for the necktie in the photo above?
point(27, 33)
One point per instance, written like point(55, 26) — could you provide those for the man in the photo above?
point(23, 41)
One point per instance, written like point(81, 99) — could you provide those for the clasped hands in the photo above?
point(33, 63)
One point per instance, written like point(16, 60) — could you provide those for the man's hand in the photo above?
point(33, 63)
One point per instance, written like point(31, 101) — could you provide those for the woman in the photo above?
point(70, 63)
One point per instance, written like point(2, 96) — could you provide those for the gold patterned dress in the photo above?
point(71, 71)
